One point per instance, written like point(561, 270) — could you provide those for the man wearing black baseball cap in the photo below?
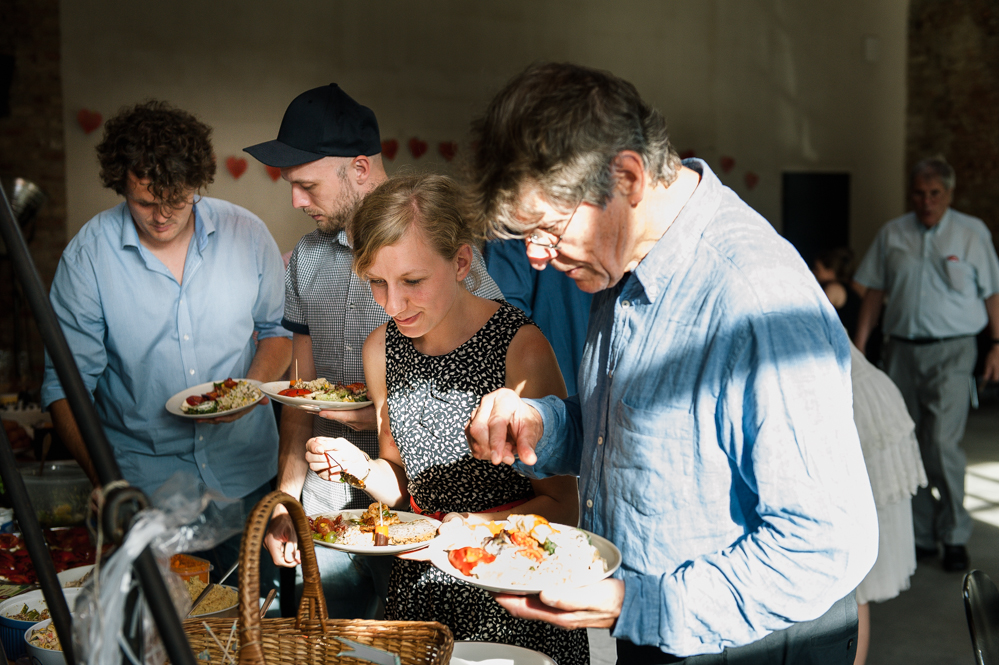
point(329, 149)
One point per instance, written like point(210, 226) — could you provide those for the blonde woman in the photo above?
point(426, 370)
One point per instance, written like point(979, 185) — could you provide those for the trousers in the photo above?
point(935, 381)
point(829, 640)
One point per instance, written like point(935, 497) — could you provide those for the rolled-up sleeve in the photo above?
point(268, 310)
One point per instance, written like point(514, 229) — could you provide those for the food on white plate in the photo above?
point(45, 638)
point(218, 599)
point(525, 550)
point(344, 529)
point(226, 396)
point(33, 616)
point(323, 391)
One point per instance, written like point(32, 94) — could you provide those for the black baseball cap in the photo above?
point(322, 122)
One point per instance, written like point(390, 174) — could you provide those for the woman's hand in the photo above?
point(330, 458)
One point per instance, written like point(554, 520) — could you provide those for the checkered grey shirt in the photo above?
point(327, 301)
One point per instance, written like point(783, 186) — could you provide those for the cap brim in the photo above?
point(281, 155)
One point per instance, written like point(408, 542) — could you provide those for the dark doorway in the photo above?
point(816, 211)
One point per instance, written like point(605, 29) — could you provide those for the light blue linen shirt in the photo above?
point(935, 280)
point(713, 435)
point(139, 337)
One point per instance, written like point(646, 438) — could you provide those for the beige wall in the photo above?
point(776, 84)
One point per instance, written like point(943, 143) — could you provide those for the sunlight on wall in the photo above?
point(981, 492)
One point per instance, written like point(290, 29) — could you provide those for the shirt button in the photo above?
point(192, 372)
point(625, 303)
point(600, 440)
point(589, 503)
point(201, 438)
point(348, 347)
point(203, 466)
point(187, 337)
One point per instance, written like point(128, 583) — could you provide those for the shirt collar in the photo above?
point(204, 226)
point(680, 239)
point(342, 238)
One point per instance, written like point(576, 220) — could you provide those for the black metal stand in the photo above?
point(155, 590)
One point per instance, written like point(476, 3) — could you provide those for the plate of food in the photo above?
point(318, 395)
point(354, 530)
point(215, 398)
point(524, 555)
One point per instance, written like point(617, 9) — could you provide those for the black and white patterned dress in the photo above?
point(430, 398)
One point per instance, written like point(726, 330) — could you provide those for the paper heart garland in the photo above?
point(89, 120)
point(447, 149)
point(687, 154)
point(727, 164)
point(236, 166)
point(273, 171)
point(389, 148)
point(417, 147)
point(751, 179)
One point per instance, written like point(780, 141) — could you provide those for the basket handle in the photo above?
point(313, 605)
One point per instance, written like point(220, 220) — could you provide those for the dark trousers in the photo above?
point(829, 640)
point(226, 553)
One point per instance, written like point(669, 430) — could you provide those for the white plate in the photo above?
point(607, 549)
point(274, 387)
point(371, 549)
point(173, 404)
point(73, 575)
point(490, 653)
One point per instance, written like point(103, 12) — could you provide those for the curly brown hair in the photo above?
point(154, 140)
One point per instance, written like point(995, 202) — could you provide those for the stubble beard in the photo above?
point(344, 208)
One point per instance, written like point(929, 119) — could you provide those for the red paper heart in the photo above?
point(273, 171)
point(236, 166)
point(448, 149)
point(687, 154)
point(417, 147)
point(389, 148)
point(751, 179)
point(727, 164)
point(89, 120)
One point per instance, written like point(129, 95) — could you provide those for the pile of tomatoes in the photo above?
point(69, 548)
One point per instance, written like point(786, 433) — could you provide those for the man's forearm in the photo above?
point(69, 434)
point(870, 310)
point(296, 429)
point(271, 360)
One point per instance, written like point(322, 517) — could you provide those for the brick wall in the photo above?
point(954, 97)
point(32, 147)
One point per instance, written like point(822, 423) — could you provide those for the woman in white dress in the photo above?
point(891, 452)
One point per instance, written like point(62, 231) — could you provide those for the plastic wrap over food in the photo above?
point(179, 521)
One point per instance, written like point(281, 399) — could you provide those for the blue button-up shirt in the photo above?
point(139, 337)
point(935, 279)
point(713, 435)
point(552, 300)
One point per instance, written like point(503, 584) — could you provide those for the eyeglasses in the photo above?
point(536, 240)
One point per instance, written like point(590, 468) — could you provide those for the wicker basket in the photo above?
point(309, 638)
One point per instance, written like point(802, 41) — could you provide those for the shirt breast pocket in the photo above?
point(960, 275)
point(653, 457)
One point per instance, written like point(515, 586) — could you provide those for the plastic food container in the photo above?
point(59, 492)
point(187, 566)
point(12, 630)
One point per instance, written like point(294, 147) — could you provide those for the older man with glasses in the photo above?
point(713, 432)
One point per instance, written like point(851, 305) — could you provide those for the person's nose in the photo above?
point(299, 199)
point(538, 256)
point(395, 301)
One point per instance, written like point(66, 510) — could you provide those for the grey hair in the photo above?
point(934, 167)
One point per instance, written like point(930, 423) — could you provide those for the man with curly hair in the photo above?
point(162, 293)
point(713, 434)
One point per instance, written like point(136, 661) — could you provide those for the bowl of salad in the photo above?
point(20, 613)
point(42, 644)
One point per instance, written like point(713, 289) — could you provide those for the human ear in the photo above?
point(362, 169)
point(628, 171)
point(463, 262)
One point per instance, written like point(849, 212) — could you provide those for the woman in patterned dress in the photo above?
point(426, 371)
